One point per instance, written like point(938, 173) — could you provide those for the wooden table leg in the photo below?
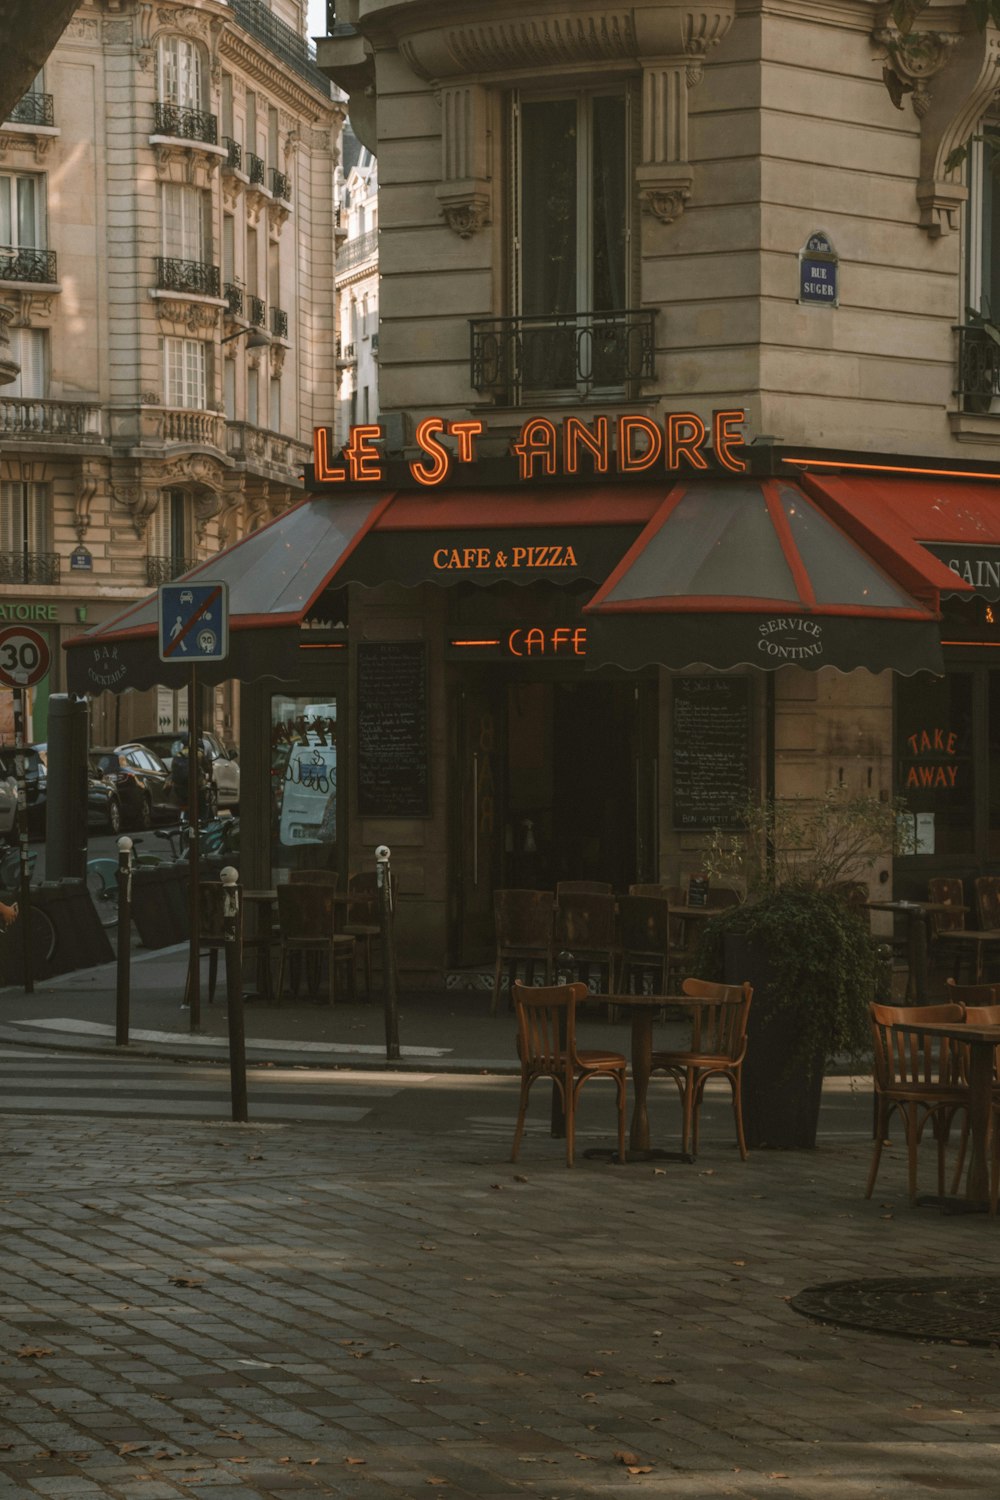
point(918, 955)
point(642, 1057)
point(977, 1183)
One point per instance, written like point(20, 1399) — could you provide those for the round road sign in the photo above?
point(24, 656)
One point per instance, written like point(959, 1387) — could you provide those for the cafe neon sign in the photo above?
point(628, 444)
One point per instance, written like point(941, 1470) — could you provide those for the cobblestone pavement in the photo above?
point(200, 1309)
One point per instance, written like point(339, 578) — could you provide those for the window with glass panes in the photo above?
point(22, 210)
point(29, 348)
point(181, 72)
point(25, 522)
point(169, 531)
point(184, 222)
point(185, 372)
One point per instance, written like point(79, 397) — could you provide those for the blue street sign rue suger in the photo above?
point(193, 622)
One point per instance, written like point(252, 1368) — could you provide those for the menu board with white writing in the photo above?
point(393, 779)
point(711, 751)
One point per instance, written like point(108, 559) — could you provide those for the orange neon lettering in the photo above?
point(535, 639)
point(466, 432)
point(685, 436)
point(580, 641)
point(537, 441)
point(435, 472)
point(724, 437)
point(630, 459)
point(594, 439)
point(324, 472)
point(512, 642)
point(364, 463)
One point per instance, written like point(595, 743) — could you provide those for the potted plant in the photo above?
point(802, 938)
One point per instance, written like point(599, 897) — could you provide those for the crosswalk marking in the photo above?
point(74, 1025)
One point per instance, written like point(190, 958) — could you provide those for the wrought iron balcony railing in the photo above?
point(374, 343)
point(29, 567)
point(349, 352)
point(577, 354)
point(33, 109)
point(279, 323)
point(18, 264)
point(281, 39)
point(281, 185)
point(166, 569)
point(256, 311)
point(353, 252)
point(234, 155)
point(978, 373)
point(255, 169)
point(186, 276)
point(186, 124)
point(234, 296)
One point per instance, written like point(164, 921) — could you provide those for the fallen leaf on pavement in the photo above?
point(355, 1460)
point(30, 1351)
point(638, 1468)
point(186, 1281)
point(626, 1458)
point(593, 1373)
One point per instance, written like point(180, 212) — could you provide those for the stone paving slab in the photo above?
point(225, 1311)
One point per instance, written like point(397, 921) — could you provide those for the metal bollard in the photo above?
point(389, 994)
point(234, 992)
point(123, 983)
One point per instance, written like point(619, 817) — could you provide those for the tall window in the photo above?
point(181, 72)
point(227, 105)
point(30, 348)
point(274, 416)
point(253, 397)
point(25, 531)
point(184, 227)
point(570, 211)
point(251, 140)
point(185, 372)
point(170, 530)
point(22, 211)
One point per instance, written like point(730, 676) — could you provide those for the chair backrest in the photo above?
point(723, 896)
point(972, 994)
point(982, 1015)
point(314, 877)
point(306, 910)
point(719, 1022)
point(585, 887)
point(364, 885)
point(585, 921)
point(988, 900)
point(523, 919)
point(644, 925)
point(211, 910)
point(651, 888)
point(546, 1024)
point(949, 891)
point(901, 1060)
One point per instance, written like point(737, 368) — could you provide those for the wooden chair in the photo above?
point(920, 1077)
point(546, 1046)
point(944, 946)
point(314, 877)
point(363, 920)
point(585, 936)
point(717, 1047)
point(584, 888)
point(683, 940)
point(644, 935)
point(307, 925)
point(523, 922)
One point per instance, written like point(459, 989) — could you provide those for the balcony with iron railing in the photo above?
point(234, 155)
point(20, 264)
point(279, 323)
point(166, 569)
point(255, 169)
point(355, 252)
point(282, 40)
point(33, 109)
point(29, 567)
point(185, 124)
point(579, 355)
point(194, 276)
point(281, 185)
point(347, 354)
point(256, 311)
point(234, 296)
point(978, 373)
point(28, 417)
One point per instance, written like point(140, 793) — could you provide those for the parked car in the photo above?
point(35, 779)
point(140, 779)
point(224, 763)
point(8, 804)
point(104, 808)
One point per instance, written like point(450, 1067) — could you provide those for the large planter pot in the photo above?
point(781, 1095)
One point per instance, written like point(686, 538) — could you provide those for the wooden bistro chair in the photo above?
point(584, 888)
point(920, 1077)
point(586, 937)
point(950, 940)
point(364, 922)
point(212, 932)
point(307, 925)
point(644, 934)
point(981, 1004)
point(716, 1049)
point(546, 1046)
point(523, 922)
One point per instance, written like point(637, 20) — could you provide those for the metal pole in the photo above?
point(24, 900)
point(123, 989)
point(231, 919)
point(194, 855)
point(390, 998)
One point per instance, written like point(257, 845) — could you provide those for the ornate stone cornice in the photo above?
point(283, 84)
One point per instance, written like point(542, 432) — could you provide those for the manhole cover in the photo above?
point(939, 1308)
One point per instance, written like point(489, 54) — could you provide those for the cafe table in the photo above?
point(265, 899)
point(917, 914)
point(643, 1010)
point(981, 1043)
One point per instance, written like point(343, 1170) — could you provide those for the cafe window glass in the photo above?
point(304, 818)
point(935, 761)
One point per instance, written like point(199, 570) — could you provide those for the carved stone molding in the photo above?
point(233, 184)
point(465, 190)
point(257, 199)
point(187, 163)
point(276, 354)
point(140, 500)
point(31, 309)
point(92, 476)
point(195, 317)
point(277, 215)
point(36, 142)
point(963, 63)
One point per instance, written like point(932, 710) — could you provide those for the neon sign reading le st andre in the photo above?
point(544, 448)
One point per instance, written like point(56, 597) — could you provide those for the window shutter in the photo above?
point(39, 518)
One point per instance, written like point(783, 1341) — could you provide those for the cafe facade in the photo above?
point(685, 484)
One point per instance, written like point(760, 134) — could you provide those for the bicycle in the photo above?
point(42, 934)
point(217, 837)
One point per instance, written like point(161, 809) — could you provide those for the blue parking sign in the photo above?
point(194, 622)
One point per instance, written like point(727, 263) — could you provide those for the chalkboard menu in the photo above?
point(392, 730)
point(711, 751)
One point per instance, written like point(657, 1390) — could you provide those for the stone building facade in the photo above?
point(167, 254)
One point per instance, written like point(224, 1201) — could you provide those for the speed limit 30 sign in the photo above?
point(24, 656)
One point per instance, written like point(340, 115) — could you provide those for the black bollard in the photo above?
point(123, 984)
point(390, 996)
point(231, 928)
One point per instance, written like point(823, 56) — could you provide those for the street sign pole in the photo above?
point(24, 899)
point(194, 853)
